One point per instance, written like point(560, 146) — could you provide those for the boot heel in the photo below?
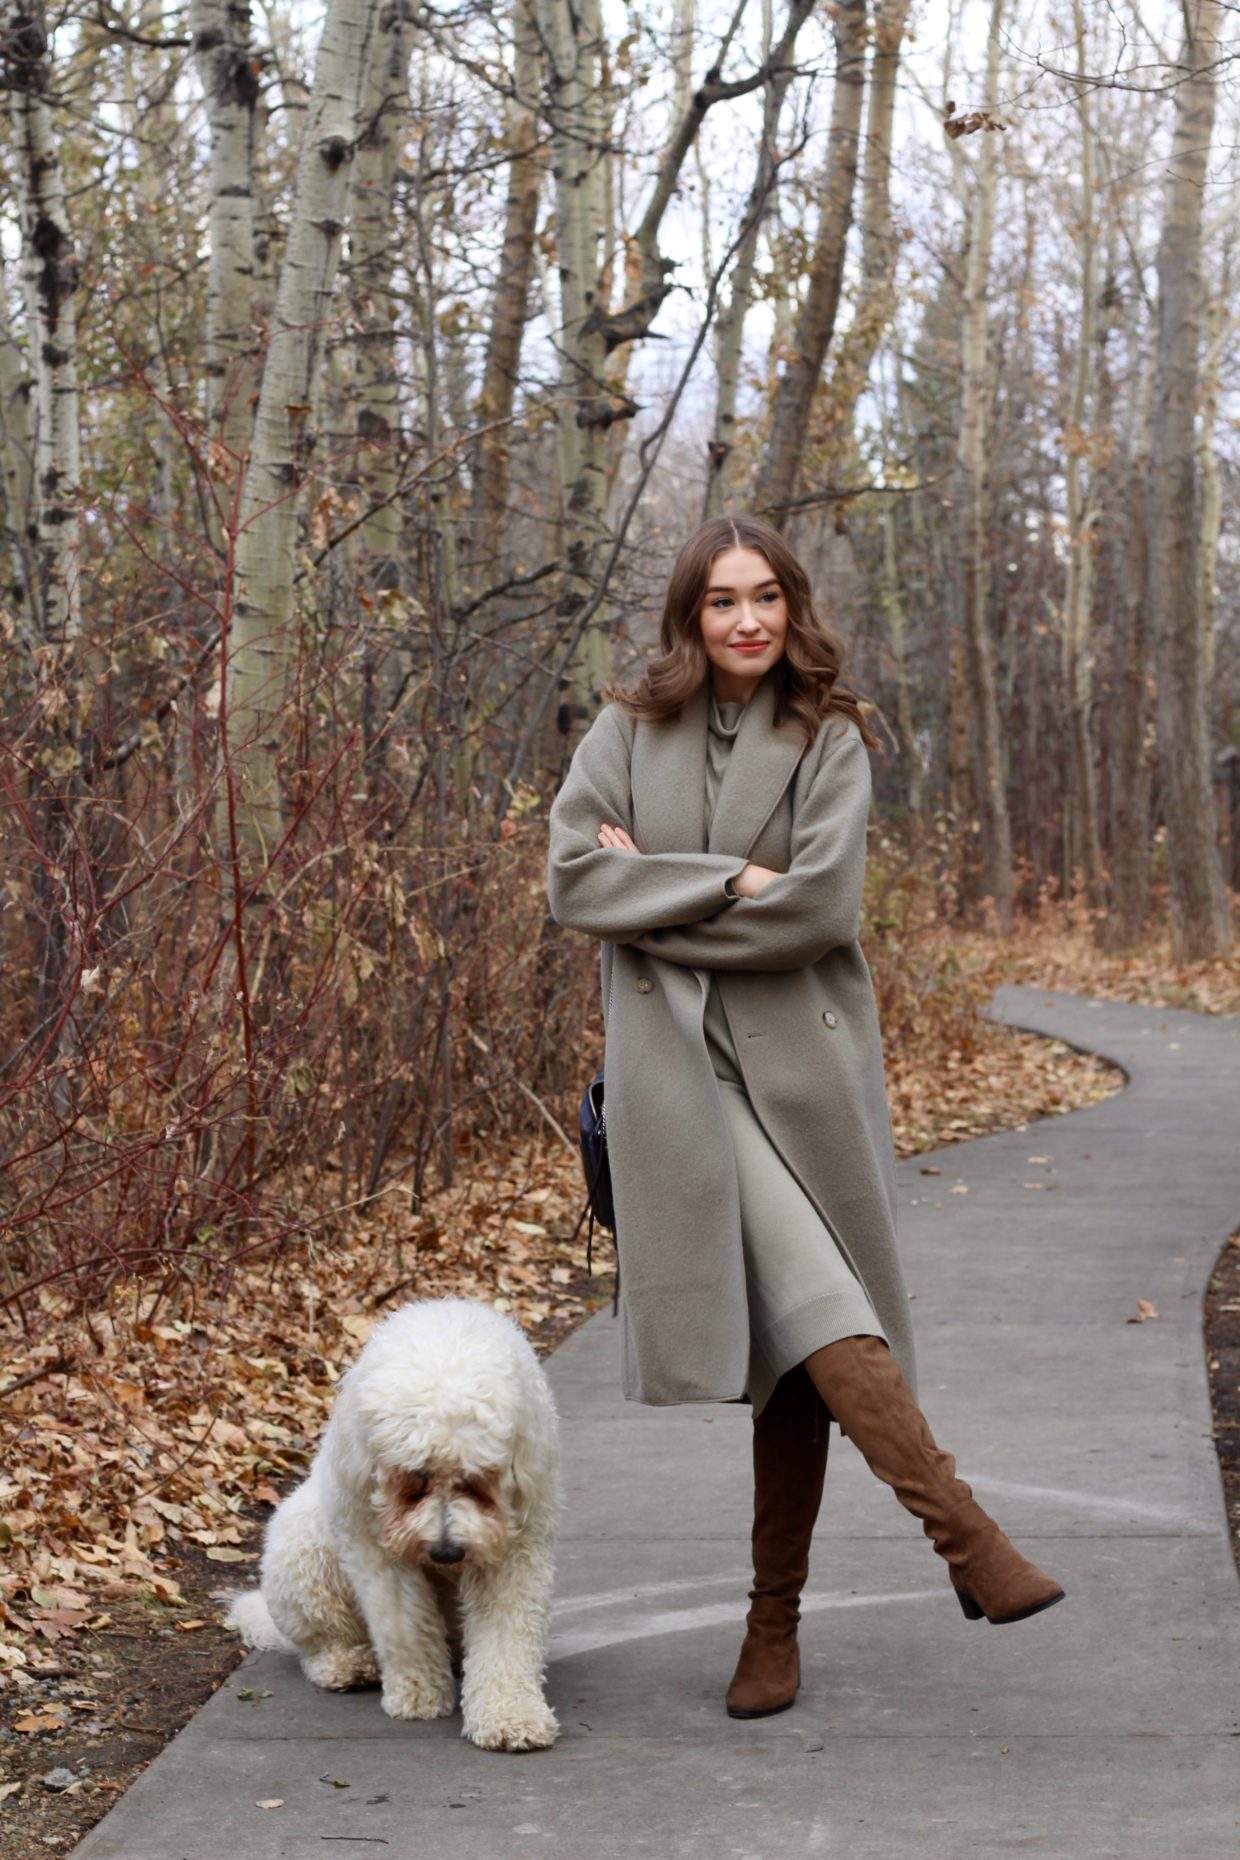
point(973, 1611)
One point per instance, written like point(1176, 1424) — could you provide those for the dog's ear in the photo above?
point(531, 1473)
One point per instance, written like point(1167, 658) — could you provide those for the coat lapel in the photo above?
point(668, 776)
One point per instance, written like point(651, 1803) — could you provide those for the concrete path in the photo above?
point(1108, 1727)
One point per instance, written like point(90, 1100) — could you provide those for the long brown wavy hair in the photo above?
point(807, 670)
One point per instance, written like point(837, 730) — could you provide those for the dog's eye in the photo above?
point(477, 1490)
point(413, 1487)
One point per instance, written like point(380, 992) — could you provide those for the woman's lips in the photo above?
point(760, 646)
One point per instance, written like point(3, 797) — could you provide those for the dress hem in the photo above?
point(809, 1327)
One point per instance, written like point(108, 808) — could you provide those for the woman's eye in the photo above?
point(772, 596)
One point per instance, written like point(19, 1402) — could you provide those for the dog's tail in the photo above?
point(247, 1613)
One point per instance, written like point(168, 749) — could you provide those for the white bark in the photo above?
point(153, 129)
point(572, 41)
point(1199, 926)
point(17, 443)
point(891, 603)
point(509, 307)
point(50, 283)
point(373, 245)
point(260, 641)
point(224, 56)
point(876, 300)
point(1219, 317)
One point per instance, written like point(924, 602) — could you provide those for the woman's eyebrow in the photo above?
point(770, 582)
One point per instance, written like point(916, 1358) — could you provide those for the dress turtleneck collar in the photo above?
point(725, 715)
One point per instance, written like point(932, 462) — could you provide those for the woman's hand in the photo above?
point(752, 879)
point(748, 882)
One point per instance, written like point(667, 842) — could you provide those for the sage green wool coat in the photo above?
point(799, 1001)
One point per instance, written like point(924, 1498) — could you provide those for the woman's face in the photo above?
point(744, 619)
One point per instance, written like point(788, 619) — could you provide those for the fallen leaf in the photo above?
point(38, 1721)
point(188, 1627)
point(929, 1169)
point(275, 1801)
point(1144, 1310)
point(58, 1598)
point(8, 1789)
point(220, 1553)
point(960, 1188)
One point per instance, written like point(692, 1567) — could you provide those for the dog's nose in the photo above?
point(447, 1553)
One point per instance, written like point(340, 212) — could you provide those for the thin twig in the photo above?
point(54, 1368)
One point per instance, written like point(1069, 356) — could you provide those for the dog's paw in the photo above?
point(418, 1698)
point(341, 1668)
point(526, 1722)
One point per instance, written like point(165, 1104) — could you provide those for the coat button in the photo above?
point(828, 1020)
point(643, 984)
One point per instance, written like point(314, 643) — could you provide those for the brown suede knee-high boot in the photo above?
point(861, 1383)
point(790, 1439)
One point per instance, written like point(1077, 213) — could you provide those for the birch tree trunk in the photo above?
point(373, 245)
point(1218, 321)
point(680, 50)
point(731, 327)
point(1198, 900)
point(1130, 819)
point(785, 448)
point(260, 641)
point(509, 306)
point(876, 301)
point(17, 443)
point(1082, 515)
point(891, 604)
point(50, 283)
point(225, 58)
point(377, 391)
point(971, 504)
point(149, 82)
point(571, 37)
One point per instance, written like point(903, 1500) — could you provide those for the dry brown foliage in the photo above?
point(1056, 948)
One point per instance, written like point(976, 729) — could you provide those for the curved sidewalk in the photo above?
point(1108, 1728)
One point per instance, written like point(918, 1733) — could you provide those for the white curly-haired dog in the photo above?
point(428, 1516)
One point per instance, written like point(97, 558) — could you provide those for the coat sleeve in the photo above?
point(813, 906)
point(609, 892)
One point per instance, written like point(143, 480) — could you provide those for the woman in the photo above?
point(711, 832)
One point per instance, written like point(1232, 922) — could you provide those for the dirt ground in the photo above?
point(1222, 1341)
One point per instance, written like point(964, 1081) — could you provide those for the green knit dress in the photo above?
point(801, 1291)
